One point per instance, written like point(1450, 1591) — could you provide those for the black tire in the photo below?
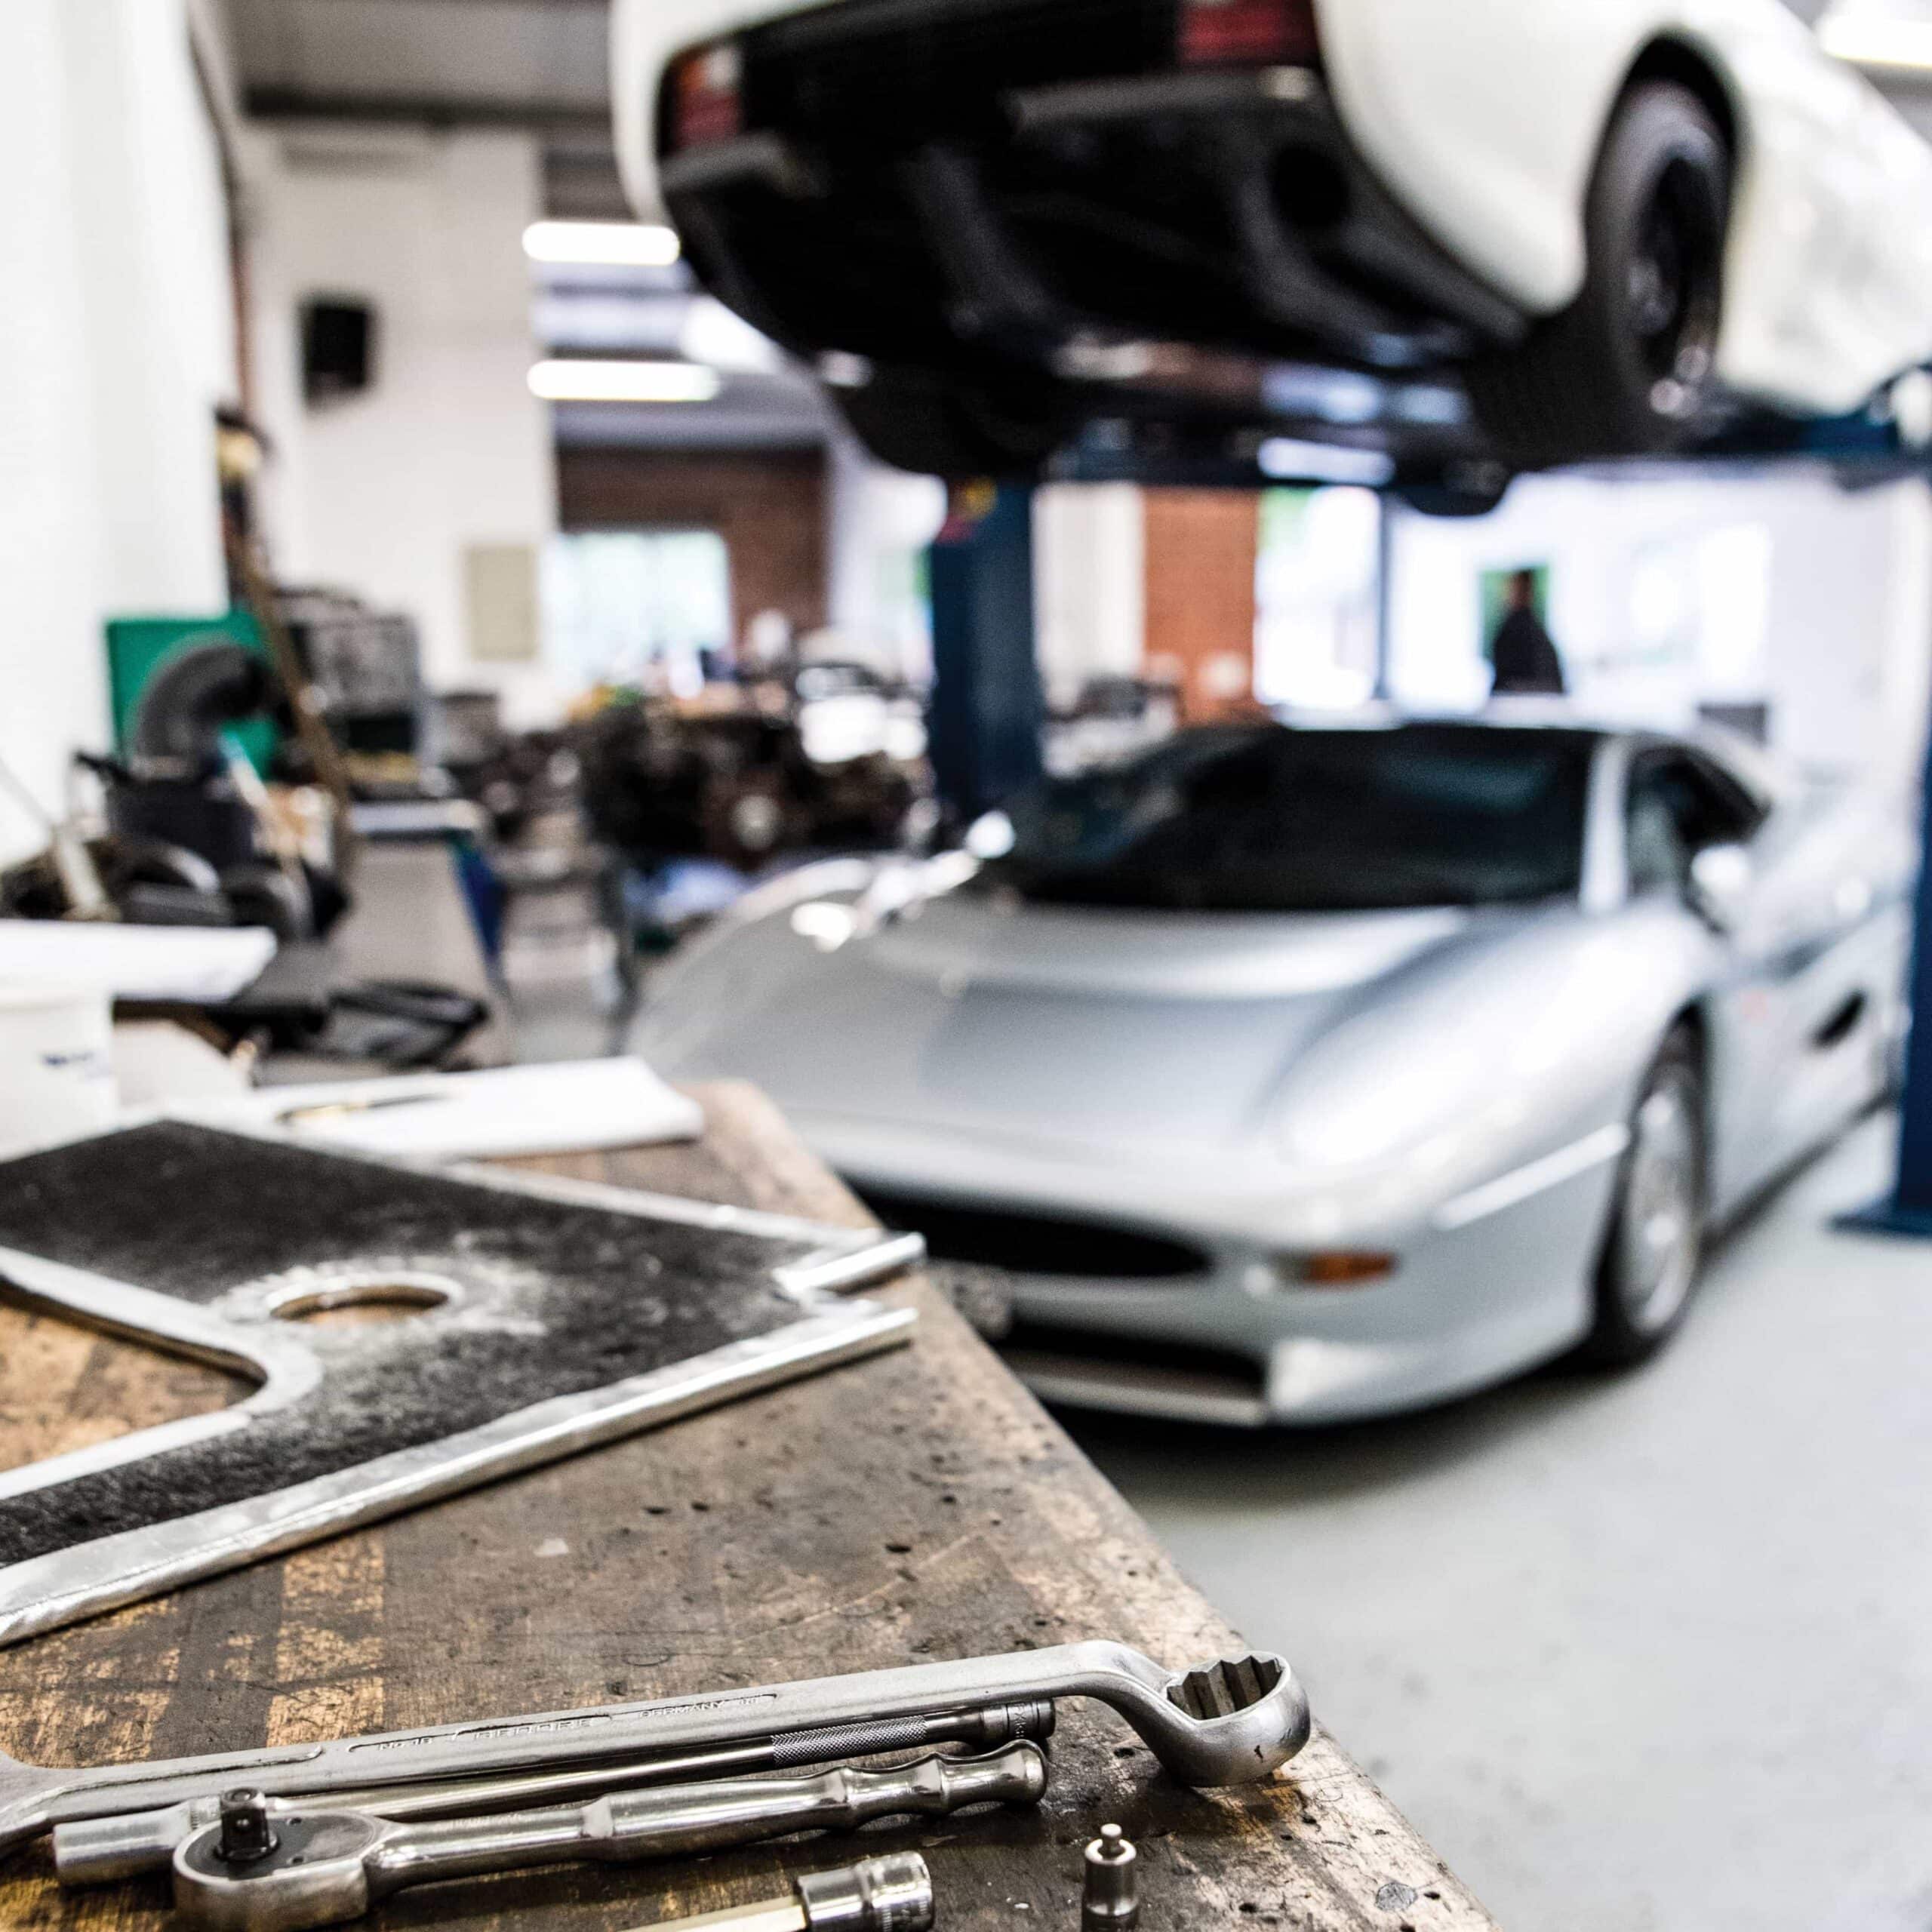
point(938, 426)
point(1628, 368)
point(1451, 499)
point(1642, 1296)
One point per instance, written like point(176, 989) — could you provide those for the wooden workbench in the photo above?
point(917, 1504)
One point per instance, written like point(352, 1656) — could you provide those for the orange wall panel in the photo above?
point(1200, 557)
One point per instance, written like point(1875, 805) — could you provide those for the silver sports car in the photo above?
point(1286, 1074)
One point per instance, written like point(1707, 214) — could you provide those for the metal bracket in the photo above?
point(553, 1315)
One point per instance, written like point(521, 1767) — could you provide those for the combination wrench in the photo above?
point(250, 1872)
point(1231, 1722)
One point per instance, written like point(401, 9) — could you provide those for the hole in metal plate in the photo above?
point(351, 1301)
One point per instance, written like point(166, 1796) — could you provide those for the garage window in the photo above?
point(636, 606)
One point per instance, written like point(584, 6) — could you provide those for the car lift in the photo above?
point(1907, 1210)
point(1872, 444)
point(988, 713)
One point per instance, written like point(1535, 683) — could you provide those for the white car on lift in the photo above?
point(1617, 223)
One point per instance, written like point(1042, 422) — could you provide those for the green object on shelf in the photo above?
point(138, 647)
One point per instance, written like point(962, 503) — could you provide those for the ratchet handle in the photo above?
point(682, 1820)
point(307, 1869)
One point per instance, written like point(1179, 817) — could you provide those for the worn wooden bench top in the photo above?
point(917, 1504)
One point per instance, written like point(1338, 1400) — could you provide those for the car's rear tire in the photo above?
point(1630, 368)
point(1447, 498)
point(1654, 1249)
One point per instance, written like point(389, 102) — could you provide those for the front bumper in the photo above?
point(1226, 1341)
point(1032, 201)
point(1468, 1310)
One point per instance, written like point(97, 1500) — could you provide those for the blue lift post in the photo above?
point(1871, 441)
point(1908, 1209)
point(988, 710)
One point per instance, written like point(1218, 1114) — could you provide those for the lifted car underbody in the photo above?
point(1075, 238)
point(1012, 220)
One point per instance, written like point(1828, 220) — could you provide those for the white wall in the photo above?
point(1835, 634)
point(159, 317)
point(1089, 577)
point(879, 522)
point(1089, 590)
point(382, 493)
point(116, 336)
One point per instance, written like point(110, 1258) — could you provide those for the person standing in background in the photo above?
point(1526, 659)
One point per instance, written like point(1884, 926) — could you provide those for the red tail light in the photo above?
point(1221, 33)
point(705, 102)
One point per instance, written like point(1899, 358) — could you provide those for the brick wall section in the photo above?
point(769, 508)
point(1201, 556)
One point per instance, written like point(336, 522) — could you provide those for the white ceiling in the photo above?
point(468, 59)
point(542, 64)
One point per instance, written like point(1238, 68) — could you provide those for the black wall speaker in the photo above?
point(338, 347)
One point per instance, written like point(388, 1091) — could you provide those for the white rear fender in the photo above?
point(1829, 276)
point(1483, 118)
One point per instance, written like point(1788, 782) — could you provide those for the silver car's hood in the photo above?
point(1062, 1025)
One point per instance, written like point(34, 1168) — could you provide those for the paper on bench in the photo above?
point(199, 965)
point(571, 1107)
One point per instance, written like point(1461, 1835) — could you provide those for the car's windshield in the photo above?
point(1267, 819)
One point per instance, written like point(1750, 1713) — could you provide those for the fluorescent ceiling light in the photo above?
point(1878, 40)
point(602, 244)
point(1285, 456)
point(581, 379)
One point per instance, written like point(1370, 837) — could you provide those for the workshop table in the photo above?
point(916, 1505)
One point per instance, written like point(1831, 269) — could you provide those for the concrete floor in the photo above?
point(1646, 1654)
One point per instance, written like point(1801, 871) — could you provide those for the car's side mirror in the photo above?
point(1720, 877)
